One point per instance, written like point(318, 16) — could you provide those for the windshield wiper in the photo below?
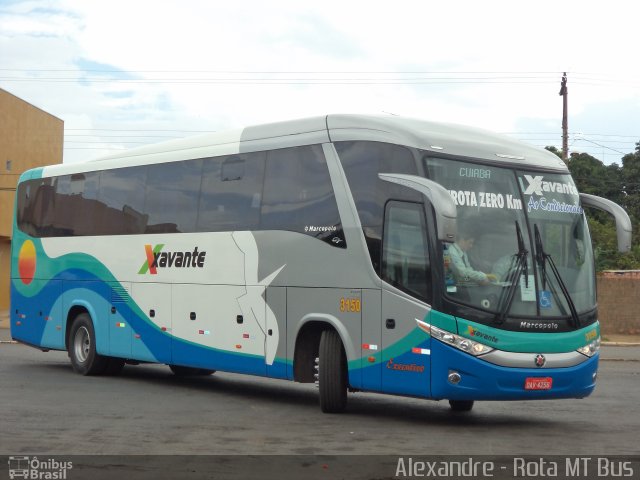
point(518, 265)
point(542, 257)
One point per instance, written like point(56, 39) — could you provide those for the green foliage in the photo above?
point(620, 184)
point(554, 150)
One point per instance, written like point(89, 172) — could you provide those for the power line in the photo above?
point(239, 77)
point(350, 72)
point(265, 81)
point(603, 146)
point(573, 133)
point(309, 77)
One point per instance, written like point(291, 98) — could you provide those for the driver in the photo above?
point(463, 272)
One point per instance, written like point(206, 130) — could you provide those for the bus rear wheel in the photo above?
point(461, 405)
point(332, 373)
point(85, 360)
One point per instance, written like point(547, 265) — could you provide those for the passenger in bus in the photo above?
point(464, 273)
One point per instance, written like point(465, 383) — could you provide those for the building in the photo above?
point(29, 137)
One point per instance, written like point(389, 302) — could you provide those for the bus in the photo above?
point(324, 250)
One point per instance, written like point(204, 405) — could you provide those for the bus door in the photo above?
point(406, 275)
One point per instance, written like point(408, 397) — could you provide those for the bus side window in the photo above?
point(298, 194)
point(232, 169)
point(121, 191)
point(43, 209)
point(405, 251)
point(85, 188)
point(231, 193)
point(24, 207)
point(171, 198)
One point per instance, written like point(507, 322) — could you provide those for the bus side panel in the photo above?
point(276, 339)
point(53, 334)
point(371, 340)
point(37, 320)
point(406, 354)
point(152, 330)
point(219, 327)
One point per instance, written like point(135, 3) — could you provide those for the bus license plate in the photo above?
point(538, 383)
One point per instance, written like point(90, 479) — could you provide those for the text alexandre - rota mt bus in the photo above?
point(319, 250)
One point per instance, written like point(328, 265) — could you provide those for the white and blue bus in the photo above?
point(361, 253)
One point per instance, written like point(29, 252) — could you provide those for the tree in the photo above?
point(631, 194)
point(622, 185)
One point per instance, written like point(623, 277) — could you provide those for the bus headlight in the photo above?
point(591, 348)
point(461, 343)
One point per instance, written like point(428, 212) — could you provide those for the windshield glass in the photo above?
point(492, 265)
point(552, 204)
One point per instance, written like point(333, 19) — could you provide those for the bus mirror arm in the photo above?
point(623, 222)
point(443, 205)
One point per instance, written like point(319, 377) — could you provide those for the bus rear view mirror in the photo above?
point(443, 205)
point(623, 222)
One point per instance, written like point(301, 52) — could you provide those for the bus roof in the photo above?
point(438, 138)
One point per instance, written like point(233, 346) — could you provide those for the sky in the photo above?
point(123, 74)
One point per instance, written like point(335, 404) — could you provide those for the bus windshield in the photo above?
point(499, 263)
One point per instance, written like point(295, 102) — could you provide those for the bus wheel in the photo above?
point(332, 373)
point(82, 347)
point(461, 405)
point(180, 371)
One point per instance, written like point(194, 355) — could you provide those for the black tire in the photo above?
point(332, 373)
point(82, 347)
point(180, 371)
point(461, 405)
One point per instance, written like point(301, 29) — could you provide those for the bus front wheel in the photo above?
point(332, 373)
point(82, 347)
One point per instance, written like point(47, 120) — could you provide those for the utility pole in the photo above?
point(564, 91)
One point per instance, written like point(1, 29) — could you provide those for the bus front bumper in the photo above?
point(478, 379)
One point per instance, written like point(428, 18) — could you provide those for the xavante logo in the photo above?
point(156, 258)
point(537, 186)
point(477, 333)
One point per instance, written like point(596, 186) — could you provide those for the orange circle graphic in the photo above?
point(27, 262)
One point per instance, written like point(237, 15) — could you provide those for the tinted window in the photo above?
point(298, 194)
point(122, 197)
point(87, 186)
point(172, 196)
point(204, 195)
point(231, 193)
point(24, 194)
point(405, 256)
point(64, 207)
point(35, 206)
point(362, 161)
